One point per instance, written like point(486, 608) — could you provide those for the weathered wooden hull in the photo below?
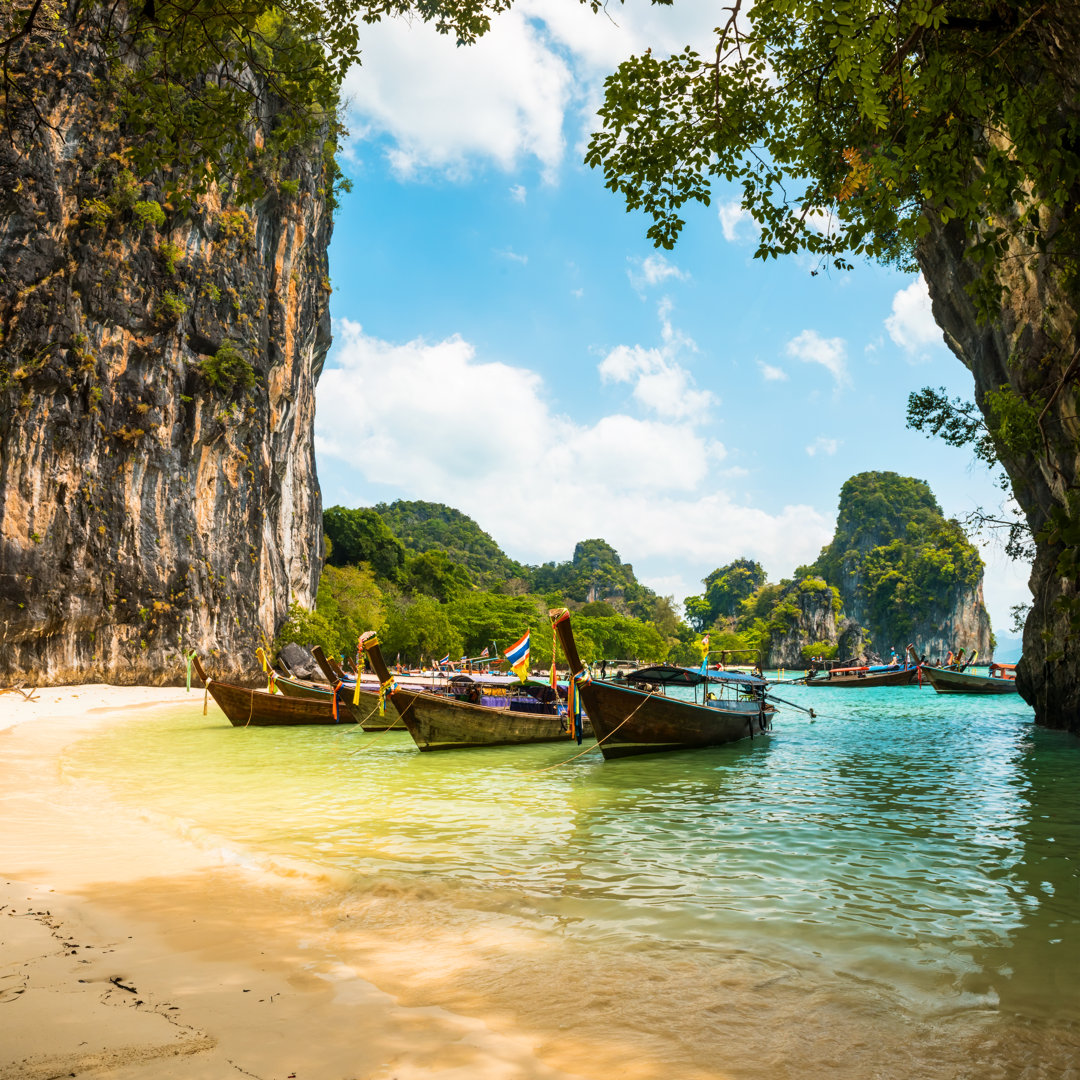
point(903, 677)
point(256, 708)
point(960, 682)
point(628, 722)
point(366, 711)
point(444, 723)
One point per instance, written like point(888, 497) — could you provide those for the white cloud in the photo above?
point(652, 270)
point(772, 374)
point(830, 353)
point(518, 193)
point(661, 383)
point(736, 223)
point(444, 107)
point(911, 324)
point(432, 421)
point(506, 98)
point(821, 445)
point(513, 256)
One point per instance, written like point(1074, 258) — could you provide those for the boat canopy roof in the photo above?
point(669, 675)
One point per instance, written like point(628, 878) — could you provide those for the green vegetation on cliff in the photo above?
point(895, 559)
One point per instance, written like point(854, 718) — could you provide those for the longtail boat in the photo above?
point(446, 722)
point(641, 718)
point(365, 701)
point(866, 677)
point(247, 707)
point(1001, 679)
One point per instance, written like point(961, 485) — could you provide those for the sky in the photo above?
point(508, 342)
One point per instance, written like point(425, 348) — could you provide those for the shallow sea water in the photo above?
point(891, 890)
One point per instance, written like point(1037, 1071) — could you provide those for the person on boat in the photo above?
point(603, 669)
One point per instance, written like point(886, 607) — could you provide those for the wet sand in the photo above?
point(126, 952)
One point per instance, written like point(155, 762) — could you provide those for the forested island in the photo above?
point(435, 584)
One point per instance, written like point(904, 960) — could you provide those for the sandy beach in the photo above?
point(126, 952)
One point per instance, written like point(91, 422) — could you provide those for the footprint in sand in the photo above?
point(11, 986)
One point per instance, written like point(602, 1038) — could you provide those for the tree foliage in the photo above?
point(852, 126)
point(427, 526)
point(725, 589)
point(361, 536)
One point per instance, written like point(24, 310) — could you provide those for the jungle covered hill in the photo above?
point(435, 584)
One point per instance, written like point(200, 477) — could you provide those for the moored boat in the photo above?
point(365, 701)
point(1001, 679)
point(446, 722)
point(641, 718)
point(248, 707)
point(869, 676)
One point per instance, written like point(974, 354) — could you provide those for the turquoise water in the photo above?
point(907, 863)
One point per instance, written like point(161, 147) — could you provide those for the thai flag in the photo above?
point(518, 656)
point(444, 660)
point(484, 653)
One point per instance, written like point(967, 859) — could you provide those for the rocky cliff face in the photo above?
point(956, 619)
point(157, 394)
point(1031, 349)
point(903, 571)
point(806, 614)
point(1029, 346)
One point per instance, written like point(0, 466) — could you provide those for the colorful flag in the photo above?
point(484, 652)
point(518, 656)
point(705, 642)
point(444, 660)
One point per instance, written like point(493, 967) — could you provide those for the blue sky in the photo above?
point(508, 342)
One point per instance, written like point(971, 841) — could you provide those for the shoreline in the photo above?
point(127, 951)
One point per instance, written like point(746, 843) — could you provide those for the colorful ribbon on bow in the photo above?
point(573, 702)
point(385, 688)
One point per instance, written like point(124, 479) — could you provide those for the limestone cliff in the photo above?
point(157, 395)
point(1022, 345)
point(808, 620)
point(903, 571)
point(1030, 349)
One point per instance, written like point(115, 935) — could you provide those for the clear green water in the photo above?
point(921, 849)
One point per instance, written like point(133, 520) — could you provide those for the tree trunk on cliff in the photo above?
point(157, 397)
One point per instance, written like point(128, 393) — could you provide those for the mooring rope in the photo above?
point(596, 745)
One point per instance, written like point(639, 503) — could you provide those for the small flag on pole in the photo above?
point(444, 660)
point(484, 653)
point(518, 656)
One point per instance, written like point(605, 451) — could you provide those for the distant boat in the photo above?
point(1000, 680)
point(870, 675)
point(641, 719)
point(247, 707)
point(446, 722)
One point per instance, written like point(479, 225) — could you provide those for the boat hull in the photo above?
point(630, 722)
point(256, 708)
point(367, 710)
point(444, 723)
point(903, 677)
point(961, 682)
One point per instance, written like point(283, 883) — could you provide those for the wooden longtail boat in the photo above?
point(367, 708)
point(246, 707)
point(634, 719)
point(866, 677)
point(444, 722)
point(1000, 680)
